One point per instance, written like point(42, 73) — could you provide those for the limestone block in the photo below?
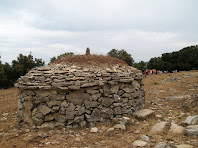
point(37, 121)
point(80, 111)
point(78, 119)
point(144, 113)
point(77, 97)
point(136, 85)
point(54, 103)
point(127, 95)
point(139, 143)
point(107, 113)
point(20, 104)
point(39, 115)
point(57, 97)
point(64, 104)
point(50, 117)
point(45, 93)
point(106, 101)
point(70, 111)
point(117, 110)
point(95, 97)
point(28, 108)
point(114, 89)
point(191, 130)
point(106, 90)
point(60, 118)
point(39, 100)
point(89, 104)
point(91, 91)
point(191, 120)
point(62, 110)
point(28, 92)
point(184, 146)
point(40, 78)
point(176, 129)
point(159, 127)
point(95, 116)
point(116, 98)
point(43, 108)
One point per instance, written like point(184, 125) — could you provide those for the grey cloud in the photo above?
point(143, 28)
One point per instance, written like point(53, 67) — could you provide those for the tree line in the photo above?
point(185, 59)
point(9, 73)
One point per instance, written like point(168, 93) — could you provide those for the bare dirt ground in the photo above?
point(173, 97)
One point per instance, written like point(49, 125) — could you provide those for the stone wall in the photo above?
point(75, 96)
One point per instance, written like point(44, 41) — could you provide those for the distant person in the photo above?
point(147, 71)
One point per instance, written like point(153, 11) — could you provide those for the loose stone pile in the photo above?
point(76, 96)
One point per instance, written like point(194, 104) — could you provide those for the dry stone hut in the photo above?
point(79, 90)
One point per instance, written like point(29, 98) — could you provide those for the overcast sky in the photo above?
point(144, 28)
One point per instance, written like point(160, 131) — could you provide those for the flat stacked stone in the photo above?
point(70, 95)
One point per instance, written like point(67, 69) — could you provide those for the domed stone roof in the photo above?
point(78, 90)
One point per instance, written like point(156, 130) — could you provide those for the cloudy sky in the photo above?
point(144, 28)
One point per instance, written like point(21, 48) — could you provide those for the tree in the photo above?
point(23, 64)
point(3, 78)
point(53, 59)
point(121, 54)
point(185, 59)
point(9, 74)
point(141, 65)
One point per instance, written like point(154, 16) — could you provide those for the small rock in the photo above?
point(110, 129)
point(158, 116)
point(103, 128)
point(120, 126)
point(163, 145)
point(159, 127)
point(77, 139)
point(2, 134)
point(139, 143)
point(94, 130)
point(28, 138)
point(176, 129)
point(40, 145)
point(191, 130)
point(184, 146)
point(126, 118)
point(137, 131)
point(47, 143)
point(27, 130)
point(191, 120)
point(144, 114)
point(42, 135)
point(5, 114)
point(144, 138)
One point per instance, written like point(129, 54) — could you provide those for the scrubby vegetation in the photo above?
point(10, 73)
point(183, 60)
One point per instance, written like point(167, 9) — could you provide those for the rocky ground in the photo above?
point(169, 121)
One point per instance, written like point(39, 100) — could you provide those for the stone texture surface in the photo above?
point(176, 129)
point(143, 114)
point(191, 120)
point(191, 130)
point(79, 96)
point(139, 143)
point(94, 130)
point(163, 145)
point(184, 146)
point(144, 138)
point(159, 127)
